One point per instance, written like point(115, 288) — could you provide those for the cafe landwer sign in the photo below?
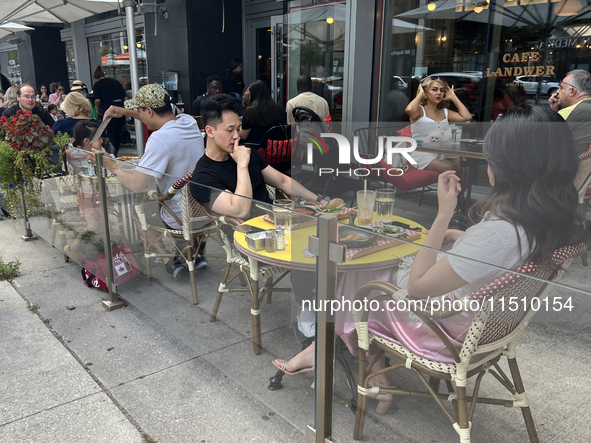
point(513, 65)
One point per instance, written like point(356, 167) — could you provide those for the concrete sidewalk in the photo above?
point(159, 371)
point(73, 372)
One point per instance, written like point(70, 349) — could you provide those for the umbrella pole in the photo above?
point(135, 83)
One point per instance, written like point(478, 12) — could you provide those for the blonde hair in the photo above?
point(76, 104)
point(10, 96)
point(427, 84)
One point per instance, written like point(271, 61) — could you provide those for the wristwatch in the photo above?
point(319, 198)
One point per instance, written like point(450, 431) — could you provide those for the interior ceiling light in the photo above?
point(431, 6)
point(568, 8)
point(478, 9)
point(330, 20)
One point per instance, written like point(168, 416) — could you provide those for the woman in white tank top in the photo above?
point(428, 113)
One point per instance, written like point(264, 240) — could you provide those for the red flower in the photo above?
point(34, 124)
point(3, 118)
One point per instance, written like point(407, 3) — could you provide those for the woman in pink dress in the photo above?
point(530, 212)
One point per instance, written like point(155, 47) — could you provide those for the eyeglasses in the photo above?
point(568, 84)
point(60, 89)
point(27, 97)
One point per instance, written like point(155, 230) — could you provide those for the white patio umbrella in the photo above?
point(53, 11)
point(9, 28)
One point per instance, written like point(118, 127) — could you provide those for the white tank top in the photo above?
point(425, 125)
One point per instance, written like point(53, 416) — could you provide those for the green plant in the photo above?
point(9, 270)
point(25, 158)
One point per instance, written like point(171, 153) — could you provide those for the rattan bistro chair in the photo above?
point(196, 226)
point(250, 272)
point(493, 334)
point(583, 185)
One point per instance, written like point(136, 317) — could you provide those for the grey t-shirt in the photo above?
point(171, 153)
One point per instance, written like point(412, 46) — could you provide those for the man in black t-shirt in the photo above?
point(109, 92)
point(228, 166)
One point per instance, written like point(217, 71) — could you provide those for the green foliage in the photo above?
point(9, 270)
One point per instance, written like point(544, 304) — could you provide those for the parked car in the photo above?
point(549, 85)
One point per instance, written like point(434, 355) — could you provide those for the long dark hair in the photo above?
point(234, 63)
point(531, 153)
point(263, 111)
point(83, 129)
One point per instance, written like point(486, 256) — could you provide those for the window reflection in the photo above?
point(496, 54)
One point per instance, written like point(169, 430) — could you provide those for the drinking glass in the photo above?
point(365, 202)
point(456, 136)
point(282, 210)
point(385, 198)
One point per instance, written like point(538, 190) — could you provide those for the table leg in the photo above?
point(255, 308)
point(255, 318)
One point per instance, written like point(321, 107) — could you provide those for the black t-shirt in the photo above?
point(41, 112)
point(224, 175)
point(257, 132)
point(235, 83)
point(107, 90)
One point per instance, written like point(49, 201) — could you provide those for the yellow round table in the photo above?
point(293, 257)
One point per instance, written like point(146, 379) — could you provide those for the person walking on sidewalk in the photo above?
point(172, 151)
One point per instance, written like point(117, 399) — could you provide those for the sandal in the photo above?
point(282, 365)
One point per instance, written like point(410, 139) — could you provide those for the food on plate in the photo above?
point(388, 229)
point(126, 158)
point(350, 237)
point(336, 202)
point(304, 211)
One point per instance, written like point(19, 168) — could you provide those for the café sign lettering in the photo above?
point(517, 58)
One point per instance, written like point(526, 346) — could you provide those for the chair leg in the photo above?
point(525, 411)
point(463, 413)
point(361, 399)
point(218, 299)
point(421, 197)
point(269, 284)
point(240, 275)
point(191, 265)
point(146, 253)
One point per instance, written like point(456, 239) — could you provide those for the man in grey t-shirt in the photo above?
point(171, 152)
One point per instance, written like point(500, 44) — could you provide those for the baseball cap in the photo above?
point(149, 96)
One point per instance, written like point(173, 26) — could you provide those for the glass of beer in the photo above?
point(366, 201)
point(385, 198)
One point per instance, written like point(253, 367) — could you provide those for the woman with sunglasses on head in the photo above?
point(429, 114)
point(531, 211)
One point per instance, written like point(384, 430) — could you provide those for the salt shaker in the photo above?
point(270, 242)
point(280, 236)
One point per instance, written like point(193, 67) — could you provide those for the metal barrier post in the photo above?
point(328, 253)
point(113, 301)
point(29, 236)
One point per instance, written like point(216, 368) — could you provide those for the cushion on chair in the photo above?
point(411, 179)
point(405, 132)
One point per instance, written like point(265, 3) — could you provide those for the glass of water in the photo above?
point(385, 198)
point(282, 210)
point(456, 136)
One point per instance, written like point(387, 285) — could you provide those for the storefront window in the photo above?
point(496, 54)
point(72, 75)
point(112, 53)
point(316, 47)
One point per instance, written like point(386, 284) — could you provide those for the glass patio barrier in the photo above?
point(219, 285)
point(382, 252)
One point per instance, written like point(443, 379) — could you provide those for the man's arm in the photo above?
point(132, 179)
point(286, 184)
point(116, 112)
point(234, 204)
point(47, 119)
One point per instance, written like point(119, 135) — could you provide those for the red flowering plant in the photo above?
point(25, 151)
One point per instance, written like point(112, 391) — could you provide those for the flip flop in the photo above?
point(282, 364)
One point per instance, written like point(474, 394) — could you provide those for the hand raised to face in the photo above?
point(241, 155)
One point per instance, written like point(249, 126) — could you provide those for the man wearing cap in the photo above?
point(172, 150)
